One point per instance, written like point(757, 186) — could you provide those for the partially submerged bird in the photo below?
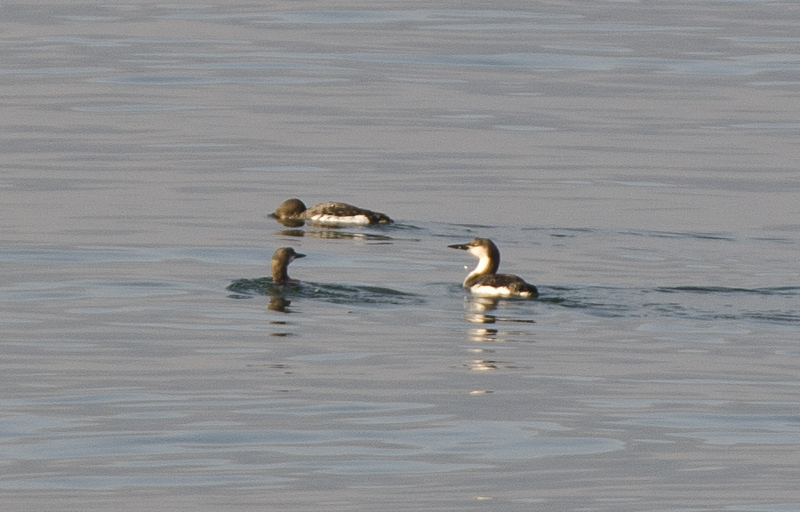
point(280, 264)
point(294, 211)
point(485, 281)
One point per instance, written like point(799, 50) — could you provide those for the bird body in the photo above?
point(484, 280)
point(330, 213)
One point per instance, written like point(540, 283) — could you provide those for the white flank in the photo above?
point(490, 291)
point(335, 219)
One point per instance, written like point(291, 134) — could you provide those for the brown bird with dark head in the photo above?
point(294, 211)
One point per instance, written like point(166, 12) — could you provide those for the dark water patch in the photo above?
point(365, 17)
point(110, 483)
point(471, 227)
point(559, 232)
point(132, 109)
point(564, 232)
point(164, 81)
point(416, 15)
point(778, 240)
point(780, 290)
point(779, 317)
point(567, 232)
point(722, 429)
point(335, 293)
point(767, 126)
point(86, 289)
point(56, 71)
point(681, 234)
point(777, 305)
point(596, 300)
point(285, 168)
point(53, 184)
point(102, 255)
point(555, 61)
point(133, 41)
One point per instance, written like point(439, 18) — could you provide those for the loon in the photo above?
point(294, 211)
point(485, 281)
point(280, 263)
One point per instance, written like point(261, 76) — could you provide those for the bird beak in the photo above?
point(298, 255)
point(463, 247)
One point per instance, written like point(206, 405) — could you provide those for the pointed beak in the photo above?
point(298, 255)
point(463, 247)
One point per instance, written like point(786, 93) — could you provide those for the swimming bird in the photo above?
point(485, 281)
point(280, 263)
point(294, 212)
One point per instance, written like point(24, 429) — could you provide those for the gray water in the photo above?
point(635, 160)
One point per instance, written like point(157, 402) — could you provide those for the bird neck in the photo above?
point(486, 265)
point(279, 272)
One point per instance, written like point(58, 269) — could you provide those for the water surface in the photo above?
point(635, 160)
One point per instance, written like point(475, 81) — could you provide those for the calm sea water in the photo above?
point(635, 160)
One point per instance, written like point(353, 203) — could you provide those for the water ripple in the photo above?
point(336, 293)
point(775, 305)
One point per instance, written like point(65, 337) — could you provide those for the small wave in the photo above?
point(335, 293)
point(780, 290)
point(778, 317)
point(681, 234)
point(776, 305)
point(597, 300)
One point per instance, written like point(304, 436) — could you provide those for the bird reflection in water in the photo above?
point(481, 365)
point(477, 308)
point(479, 335)
point(280, 304)
point(482, 313)
point(476, 313)
point(333, 234)
point(291, 223)
point(481, 310)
